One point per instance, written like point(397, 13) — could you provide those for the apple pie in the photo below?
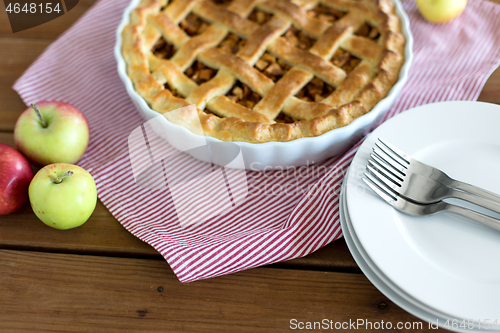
point(264, 70)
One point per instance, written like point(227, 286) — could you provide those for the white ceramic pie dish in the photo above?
point(271, 155)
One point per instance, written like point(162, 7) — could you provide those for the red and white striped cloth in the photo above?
point(452, 62)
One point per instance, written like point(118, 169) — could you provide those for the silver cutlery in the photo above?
point(405, 206)
point(423, 183)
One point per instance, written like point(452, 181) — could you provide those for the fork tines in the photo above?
point(394, 174)
point(385, 170)
point(379, 188)
point(389, 162)
point(391, 149)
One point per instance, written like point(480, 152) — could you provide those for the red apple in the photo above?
point(15, 178)
point(52, 132)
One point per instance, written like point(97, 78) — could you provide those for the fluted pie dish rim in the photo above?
point(306, 150)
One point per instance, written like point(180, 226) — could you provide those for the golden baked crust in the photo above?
point(264, 70)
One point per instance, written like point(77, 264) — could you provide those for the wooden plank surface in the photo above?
point(16, 55)
point(19, 50)
point(68, 293)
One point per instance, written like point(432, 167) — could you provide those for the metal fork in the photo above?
point(422, 183)
point(414, 209)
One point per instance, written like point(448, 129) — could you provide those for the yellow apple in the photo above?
point(52, 132)
point(440, 11)
point(63, 195)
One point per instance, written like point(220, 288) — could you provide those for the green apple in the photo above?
point(63, 195)
point(52, 132)
point(440, 11)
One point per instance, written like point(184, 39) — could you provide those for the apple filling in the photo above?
point(272, 67)
point(298, 38)
point(259, 16)
point(223, 3)
point(315, 91)
point(232, 44)
point(163, 50)
point(368, 31)
point(240, 93)
point(283, 118)
point(193, 25)
point(326, 14)
point(200, 73)
point(345, 60)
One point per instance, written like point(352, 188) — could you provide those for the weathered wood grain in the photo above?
point(491, 90)
point(16, 55)
point(68, 293)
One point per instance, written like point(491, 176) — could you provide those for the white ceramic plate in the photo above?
point(278, 154)
point(384, 285)
point(448, 263)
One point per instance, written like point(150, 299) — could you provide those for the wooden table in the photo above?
point(100, 278)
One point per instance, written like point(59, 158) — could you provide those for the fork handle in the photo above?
point(481, 218)
point(476, 195)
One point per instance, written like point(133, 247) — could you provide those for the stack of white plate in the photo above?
point(444, 269)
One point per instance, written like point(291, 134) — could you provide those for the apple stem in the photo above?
point(59, 179)
point(44, 124)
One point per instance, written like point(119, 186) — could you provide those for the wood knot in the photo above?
point(142, 313)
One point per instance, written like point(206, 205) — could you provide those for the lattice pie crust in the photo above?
point(260, 71)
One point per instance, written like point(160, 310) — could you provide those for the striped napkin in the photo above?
point(285, 214)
